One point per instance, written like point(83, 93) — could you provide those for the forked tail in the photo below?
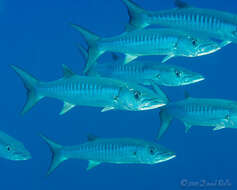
point(57, 156)
point(165, 120)
point(30, 84)
point(93, 51)
point(136, 16)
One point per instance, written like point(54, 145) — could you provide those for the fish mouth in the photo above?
point(193, 79)
point(22, 157)
point(165, 156)
point(208, 49)
point(152, 104)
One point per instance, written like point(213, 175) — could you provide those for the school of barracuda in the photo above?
point(133, 85)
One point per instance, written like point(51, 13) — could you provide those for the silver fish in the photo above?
point(91, 91)
point(216, 113)
point(145, 72)
point(12, 149)
point(116, 151)
point(144, 42)
point(207, 22)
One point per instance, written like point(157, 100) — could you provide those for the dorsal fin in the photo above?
point(67, 72)
point(186, 94)
point(115, 57)
point(181, 4)
point(91, 137)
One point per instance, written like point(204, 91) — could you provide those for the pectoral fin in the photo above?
point(187, 127)
point(218, 128)
point(66, 107)
point(92, 164)
point(129, 58)
point(107, 109)
point(166, 58)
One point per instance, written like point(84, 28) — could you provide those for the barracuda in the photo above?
point(12, 149)
point(216, 113)
point(144, 42)
point(145, 72)
point(212, 23)
point(116, 151)
point(91, 91)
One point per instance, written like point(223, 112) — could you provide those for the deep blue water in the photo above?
point(37, 36)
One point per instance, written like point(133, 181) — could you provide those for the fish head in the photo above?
point(14, 151)
point(170, 75)
point(192, 46)
point(134, 97)
point(154, 153)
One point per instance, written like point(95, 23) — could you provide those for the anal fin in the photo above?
point(187, 127)
point(129, 58)
point(66, 107)
point(92, 164)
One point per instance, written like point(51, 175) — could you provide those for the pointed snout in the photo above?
point(197, 78)
point(170, 155)
point(208, 48)
point(154, 103)
point(165, 157)
point(23, 156)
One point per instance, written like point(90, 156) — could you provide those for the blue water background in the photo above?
point(37, 36)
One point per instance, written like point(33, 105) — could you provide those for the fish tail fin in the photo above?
point(93, 51)
point(30, 84)
point(136, 16)
point(84, 52)
point(57, 156)
point(165, 120)
point(92, 71)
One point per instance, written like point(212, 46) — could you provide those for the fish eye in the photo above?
point(152, 150)
point(158, 76)
point(178, 73)
point(234, 33)
point(137, 95)
point(194, 42)
point(8, 147)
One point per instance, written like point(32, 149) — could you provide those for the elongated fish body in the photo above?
point(216, 113)
point(144, 42)
point(82, 90)
point(146, 72)
point(116, 151)
point(12, 149)
point(213, 23)
point(91, 91)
